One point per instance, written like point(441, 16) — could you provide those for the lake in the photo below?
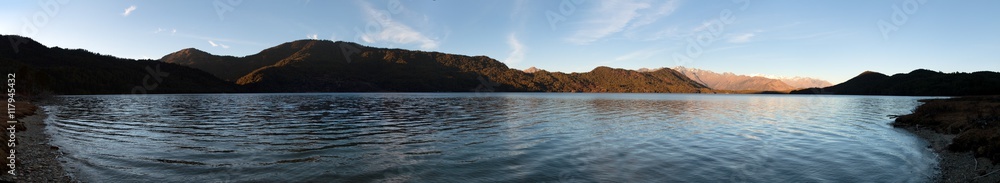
point(487, 137)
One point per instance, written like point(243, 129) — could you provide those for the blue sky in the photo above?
point(831, 40)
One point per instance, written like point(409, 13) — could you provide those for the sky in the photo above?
point(833, 40)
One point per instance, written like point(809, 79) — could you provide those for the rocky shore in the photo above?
point(965, 132)
point(35, 159)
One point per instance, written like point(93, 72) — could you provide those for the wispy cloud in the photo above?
point(616, 16)
point(517, 50)
point(741, 38)
point(521, 13)
point(207, 38)
point(520, 7)
point(613, 17)
point(704, 25)
point(129, 10)
point(720, 49)
point(640, 54)
point(217, 44)
point(663, 33)
point(312, 36)
point(814, 35)
point(394, 31)
point(664, 9)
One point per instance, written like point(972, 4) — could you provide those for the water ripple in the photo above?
point(502, 137)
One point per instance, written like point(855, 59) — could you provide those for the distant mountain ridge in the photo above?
point(730, 81)
point(920, 82)
point(326, 66)
point(799, 82)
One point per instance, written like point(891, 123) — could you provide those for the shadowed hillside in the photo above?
point(920, 82)
point(75, 71)
point(223, 67)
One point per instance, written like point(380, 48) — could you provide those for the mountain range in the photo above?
point(327, 66)
point(730, 81)
point(734, 82)
point(802, 82)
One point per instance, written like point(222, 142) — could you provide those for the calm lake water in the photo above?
point(496, 137)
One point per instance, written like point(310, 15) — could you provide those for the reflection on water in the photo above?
point(508, 137)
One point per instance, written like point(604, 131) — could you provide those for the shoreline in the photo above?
point(37, 160)
point(932, 122)
point(956, 166)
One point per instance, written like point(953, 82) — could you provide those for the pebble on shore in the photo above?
point(36, 160)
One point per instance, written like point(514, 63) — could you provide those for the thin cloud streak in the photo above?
point(639, 55)
point(741, 38)
point(664, 10)
point(617, 16)
point(129, 10)
point(813, 36)
point(218, 44)
point(517, 50)
point(218, 39)
point(394, 31)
